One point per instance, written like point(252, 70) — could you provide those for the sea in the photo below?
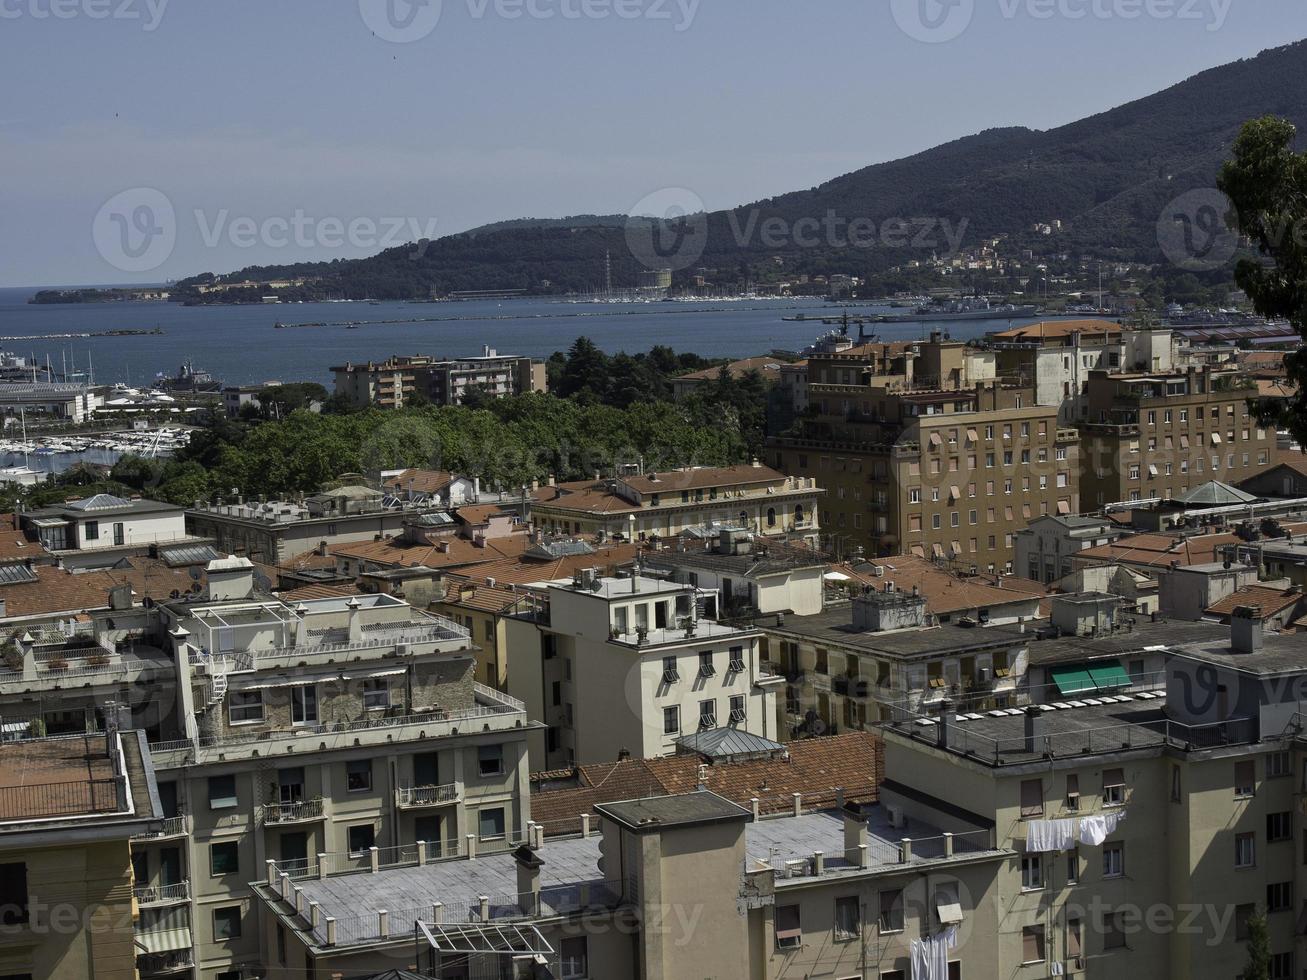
point(241, 344)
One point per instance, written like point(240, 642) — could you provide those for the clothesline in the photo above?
point(1043, 836)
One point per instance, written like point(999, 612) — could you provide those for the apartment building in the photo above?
point(670, 886)
point(944, 473)
point(278, 730)
point(632, 665)
point(68, 807)
point(1045, 548)
point(401, 381)
point(638, 506)
point(1153, 436)
point(1208, 775)
point(93, 531)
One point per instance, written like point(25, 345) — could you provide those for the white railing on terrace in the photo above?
point(390, 858)
point(427, 795)
point(374, 637)
point(160, 894)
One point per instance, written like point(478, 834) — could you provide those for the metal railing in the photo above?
point(376, 637)
point(162, 894)
point(149, 963)
point(292, 812)
point(172, 827)
point(39, 801)
point(414, 796)
point(332, 864)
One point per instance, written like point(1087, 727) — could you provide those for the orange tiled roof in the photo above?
point(817, 768)
point(1058, 329)
point(421, 481)
point(480, 596)
point(1272, 601)
point(446, 552)
point(945, 592)
point(703, 477)
point(586, 496)
point(523, 570)
point(768, 367)
point(481, 514)
point(307, 593)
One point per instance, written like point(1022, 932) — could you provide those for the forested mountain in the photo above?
point(1107, 178)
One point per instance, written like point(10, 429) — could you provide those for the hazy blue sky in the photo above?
point(258, 109)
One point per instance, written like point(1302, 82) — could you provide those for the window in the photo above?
point(738, 712)
point(1245, 850)
point(1113, 932)
point(1242, 915)
point(304, 705)
point(948, 908)
point(706, 668)
point(789, 930)
point(1032, 798)
point(13, 894)
point(891, 911)
point(1073, 866)
point(361, 839)
point(245, 707)
point(1281, 966)
point(490, 630)
point(1072, 792)
point(1032, 944)
point(224, 859)
point(736, 663)
point(490, 760)
point(1075, 939)
point(1113, 787)
point(707, 714)
point(670, 674)
point(376, 693)
point(574, 958)
point(1279, 826)
point(226, 923)
point(1279, 896)
point(1113, 860)
point(358, 776)
point(848, 918)
point(1032, 872)
point(1279, 765)
point(1245, 778)
point(222, 792)
point(490, 823)
point(672, 720)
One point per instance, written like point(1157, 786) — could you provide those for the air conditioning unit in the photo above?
point(896, 818)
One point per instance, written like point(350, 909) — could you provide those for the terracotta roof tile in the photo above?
point(445, 552)
point(479, 596)
point(524, 570)
point(421, 481)
point(1272, 601)
point(816, 768)
point(945, 592)
point(703, 477)
point(308, 592)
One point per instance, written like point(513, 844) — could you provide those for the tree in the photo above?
point(1259, 949)
point(1266, 182)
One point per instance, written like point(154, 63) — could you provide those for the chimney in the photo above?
point(355, 627)
point(528, 878)
point(1246, 629)
point(948, 717)
point(855, 834)
point(1034, 728)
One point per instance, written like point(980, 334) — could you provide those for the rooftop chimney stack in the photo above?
point(948, 717)
point(1246, 629)
point(855, 834)
point(1034, 728)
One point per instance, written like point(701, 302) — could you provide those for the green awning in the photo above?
point(1073, 680)
point(1109, 676)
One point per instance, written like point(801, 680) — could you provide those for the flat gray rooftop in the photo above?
point(686, 810)
point(1281, 653)
point(835, 625)
point(1136, 639)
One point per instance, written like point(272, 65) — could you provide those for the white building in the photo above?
point(631, 665)
point(82, 531)
point(1045, 548)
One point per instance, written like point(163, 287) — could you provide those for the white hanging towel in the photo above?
point(1050, 835)
point(930, 955)
point(1097, 828)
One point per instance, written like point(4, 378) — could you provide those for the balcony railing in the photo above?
point(178, 826)
point(382, 635)
point(40, 801)
point(163, 894)
point(419, 796)
point(297, 812)
point(153, 963)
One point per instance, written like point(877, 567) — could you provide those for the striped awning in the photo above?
point(164, 940)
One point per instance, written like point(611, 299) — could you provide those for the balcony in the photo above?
point(160, 964)
point(178, 826)
point(160, 895)
point(417, 797)
point(301, 811)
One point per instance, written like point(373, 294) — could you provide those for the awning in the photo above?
point(1184, 442)
point(972, 436)
point(470, 938)
point(1109, 676)
point(919, 550)
point(1152, 469)
point(836, 577)
point(1064, 506)
point(1216, 438)
point(954, 493)
point(936, 439)
point(1073, 680)
point(164, 940)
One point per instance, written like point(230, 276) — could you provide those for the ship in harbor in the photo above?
point(188, 379)
point(963, 309)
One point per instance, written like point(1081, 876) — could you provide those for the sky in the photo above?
point(147, 140)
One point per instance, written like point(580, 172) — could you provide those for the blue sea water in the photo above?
point(239, 344)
